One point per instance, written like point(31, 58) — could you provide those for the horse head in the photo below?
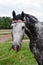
point(18, 29)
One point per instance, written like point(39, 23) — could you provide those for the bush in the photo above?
point(5, 23)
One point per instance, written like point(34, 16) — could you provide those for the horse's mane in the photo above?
point(32, 18)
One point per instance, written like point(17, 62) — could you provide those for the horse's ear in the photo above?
point(22, 14)
point(13, 14)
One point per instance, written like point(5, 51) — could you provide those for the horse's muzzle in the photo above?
point(17, 47)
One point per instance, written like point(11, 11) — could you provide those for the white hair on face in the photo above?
point(18, 33)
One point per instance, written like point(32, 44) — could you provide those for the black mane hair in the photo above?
point(32, 18)
point(22, 15)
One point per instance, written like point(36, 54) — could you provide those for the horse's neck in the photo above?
point(31, 26)
point(36, 30)
point(33, 32)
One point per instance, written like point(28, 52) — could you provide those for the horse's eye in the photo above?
point(15, 22)
point(23, 27)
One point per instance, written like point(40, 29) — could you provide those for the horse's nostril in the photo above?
point(23, 27)
point(13, 47)
point(17, 47)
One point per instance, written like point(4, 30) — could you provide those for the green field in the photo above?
point(23, 57)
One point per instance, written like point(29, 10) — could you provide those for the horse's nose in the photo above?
point(16, 47)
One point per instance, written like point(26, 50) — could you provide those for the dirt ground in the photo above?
point(4, 38)
point(7, 37)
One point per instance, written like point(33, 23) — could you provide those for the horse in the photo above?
point(33, 28)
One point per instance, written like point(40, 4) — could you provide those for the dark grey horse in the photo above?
point(34, 29)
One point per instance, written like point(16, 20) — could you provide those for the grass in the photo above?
point(26, 37)
point(4, 32)
point(23, 57)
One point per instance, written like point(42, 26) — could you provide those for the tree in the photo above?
point(5, 22)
